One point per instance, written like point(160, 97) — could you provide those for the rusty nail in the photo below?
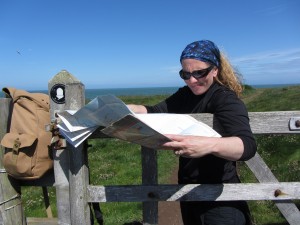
point(277, 192)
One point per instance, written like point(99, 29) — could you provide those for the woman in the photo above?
point(211, 87)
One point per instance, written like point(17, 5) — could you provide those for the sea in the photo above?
point(146, 91)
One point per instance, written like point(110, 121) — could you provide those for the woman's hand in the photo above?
point(137, 108)
point(188, 146)
point(230, 148)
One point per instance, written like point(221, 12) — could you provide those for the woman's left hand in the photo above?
point(189, 146)
point(230, 148)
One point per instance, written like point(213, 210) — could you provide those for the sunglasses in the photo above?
point(197, 74)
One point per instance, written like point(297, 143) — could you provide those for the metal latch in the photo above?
point(294, 123)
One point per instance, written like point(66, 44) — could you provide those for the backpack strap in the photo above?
point(9, 92)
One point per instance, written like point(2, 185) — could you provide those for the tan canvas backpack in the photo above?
point(26, 142)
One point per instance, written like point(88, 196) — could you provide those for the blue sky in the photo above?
point(135, 43)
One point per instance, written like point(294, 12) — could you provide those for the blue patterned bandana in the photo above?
point(205, 51)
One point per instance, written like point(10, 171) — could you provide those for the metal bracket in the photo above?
point(294, 123)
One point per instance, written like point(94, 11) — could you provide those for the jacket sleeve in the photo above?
point(231, 115)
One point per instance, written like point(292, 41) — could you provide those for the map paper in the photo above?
point(119, 121)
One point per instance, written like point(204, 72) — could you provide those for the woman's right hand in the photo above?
point(137, 108)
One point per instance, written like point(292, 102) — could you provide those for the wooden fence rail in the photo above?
point(195, 192)
point(71, 175)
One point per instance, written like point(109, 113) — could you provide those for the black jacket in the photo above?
point(230, 119)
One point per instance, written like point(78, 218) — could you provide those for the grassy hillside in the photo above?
point(115, 162)
point(273, 99)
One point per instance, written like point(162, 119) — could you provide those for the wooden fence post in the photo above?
point(79, 174)
point(67, 93)
point(11, 211)
point(56, 90)
point(149, 177)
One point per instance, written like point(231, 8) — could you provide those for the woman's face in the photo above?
point(200, 85)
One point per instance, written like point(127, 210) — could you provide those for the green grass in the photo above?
point(33, 201)
point(116, 162)
point(273, 99)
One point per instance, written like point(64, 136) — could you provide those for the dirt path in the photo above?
point(169, 212)
point(251, 97)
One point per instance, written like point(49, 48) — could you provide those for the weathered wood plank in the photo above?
point(10, 201)
point(262, 122)
point(272, 122)
point(149, 163)
point(71, 173)
point(260, 169)
point(60, 156)
point(79, 175)
point(195, 192)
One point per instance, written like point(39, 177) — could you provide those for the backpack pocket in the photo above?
point(20, 155)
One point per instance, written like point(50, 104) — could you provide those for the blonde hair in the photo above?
point(229, 77)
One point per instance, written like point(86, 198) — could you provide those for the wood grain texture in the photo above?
point(195, 192)
point(11, 211)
